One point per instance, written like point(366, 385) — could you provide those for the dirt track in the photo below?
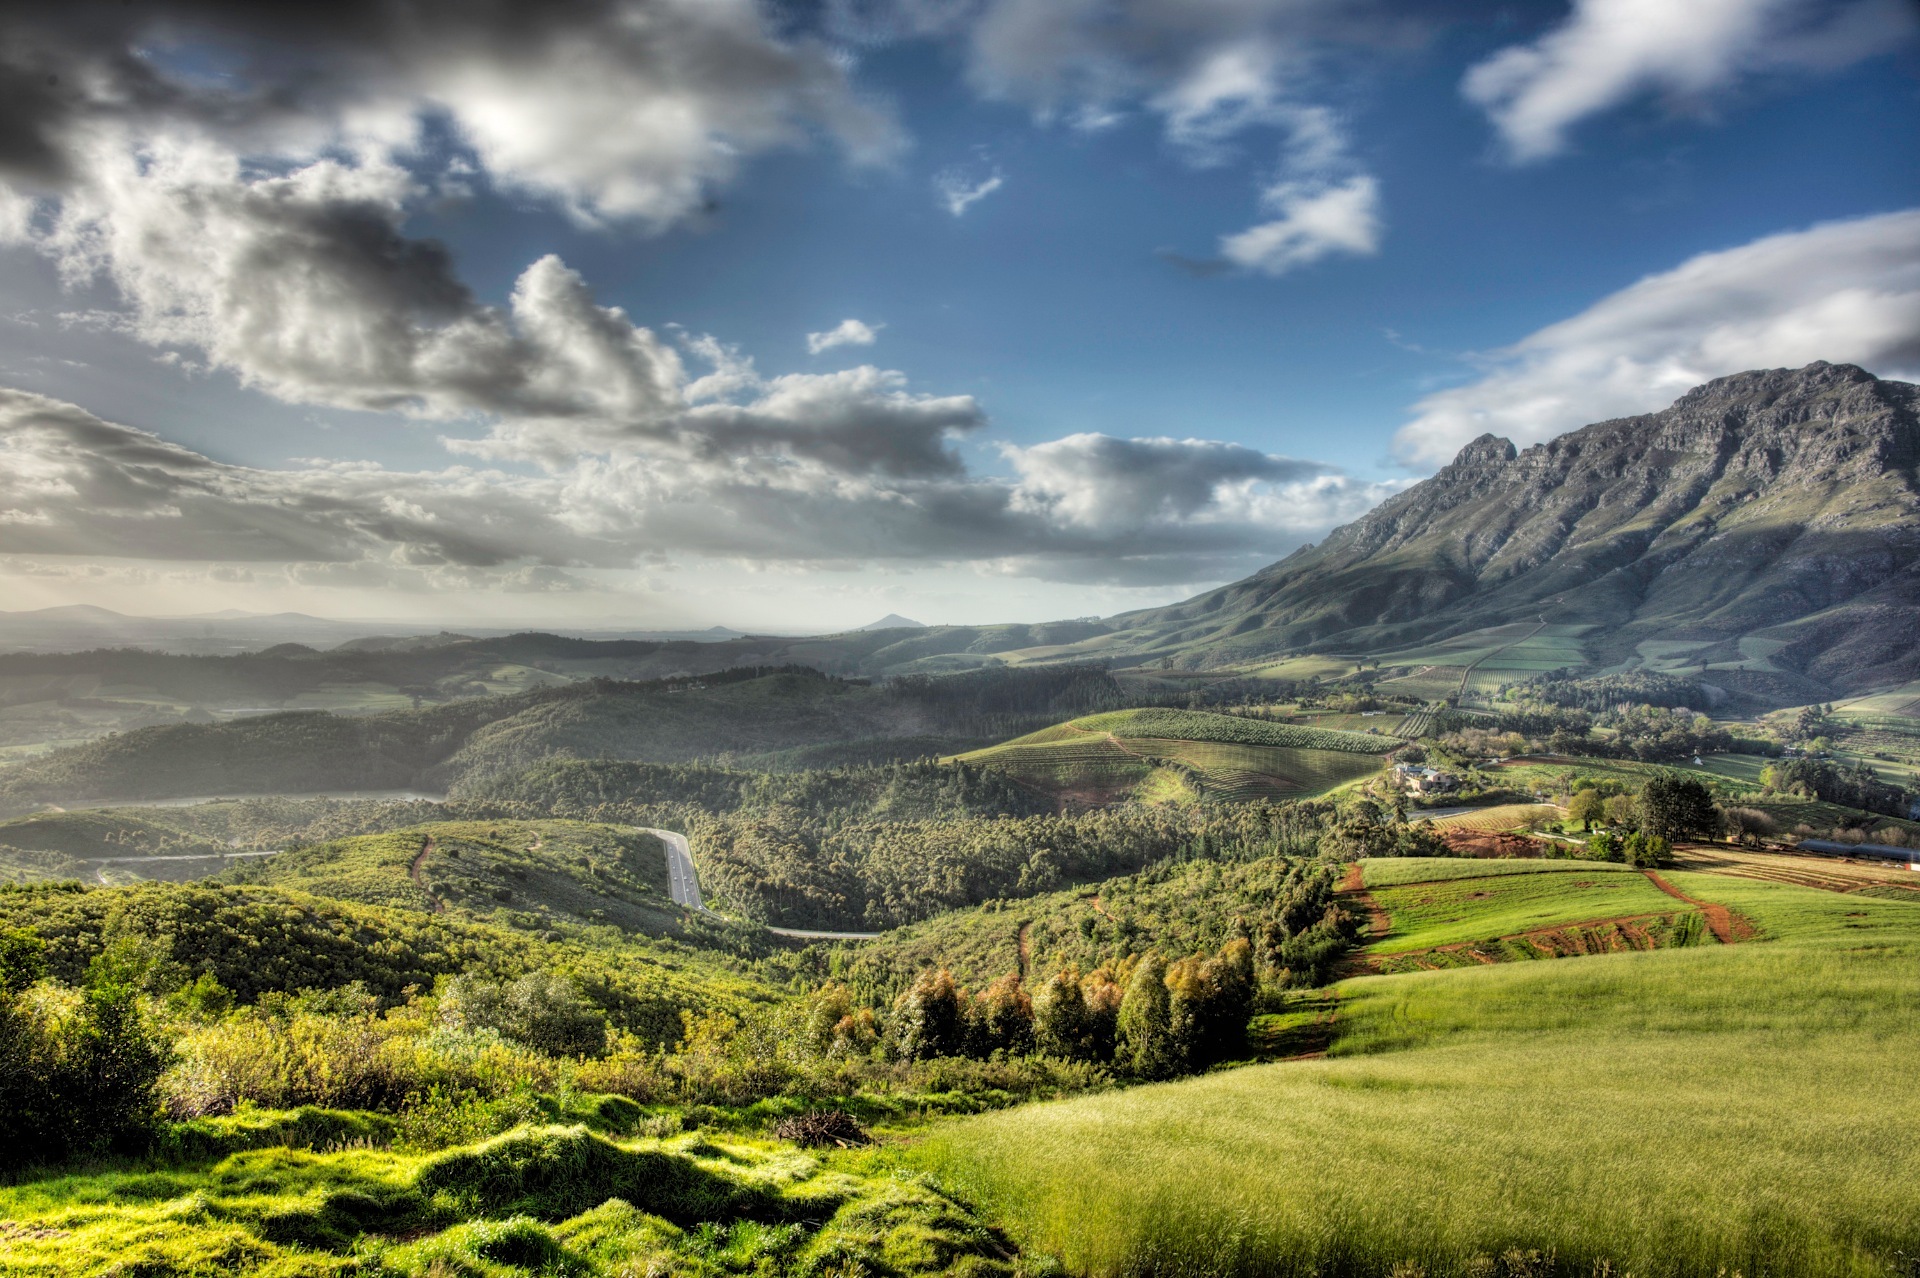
point(419, 880)
point(1726, 926)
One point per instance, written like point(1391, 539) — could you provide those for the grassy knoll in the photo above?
point(550, 1200)
point(1427, 915)
point(557, 871)
point(1677, 1112)
point(1224, 756)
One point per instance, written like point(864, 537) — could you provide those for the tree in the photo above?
point(1586, 807)
point(1621, 809)
point(1146, 1048)
point(1061, 1025)
point(929, 1019)
point(1000, 1018)
point(1675, 807)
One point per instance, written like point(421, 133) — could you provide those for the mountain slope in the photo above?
point(1780, 508)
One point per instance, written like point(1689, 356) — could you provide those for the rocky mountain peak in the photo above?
point(1488, 450)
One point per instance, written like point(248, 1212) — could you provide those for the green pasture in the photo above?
point(1425, 916)
point(1678, 1113)
point(555, 1200)
point(1397, 871)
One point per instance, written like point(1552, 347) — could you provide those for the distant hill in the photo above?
point(743, 713)
point(1762, 533)
point(894, 621)
point(1175, 755)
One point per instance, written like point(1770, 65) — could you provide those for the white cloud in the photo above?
point(848, 332)
point(1315, 221)
point(613, 110)
point(958, 192)
point(1085, 508)
point(1609, 52)
point(1845, 292)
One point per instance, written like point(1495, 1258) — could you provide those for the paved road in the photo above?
point(684, 886)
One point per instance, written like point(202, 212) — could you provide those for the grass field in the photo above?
point(1396, 871)
point(1425, 916)
point(1677, 1113)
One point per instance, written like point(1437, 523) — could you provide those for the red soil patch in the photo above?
point(1726, 926)
point(1488, 846)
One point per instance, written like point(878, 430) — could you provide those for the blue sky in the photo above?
point(1083, 392)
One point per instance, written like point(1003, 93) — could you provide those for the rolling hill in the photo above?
point(1157, 753)
point(1763, 532)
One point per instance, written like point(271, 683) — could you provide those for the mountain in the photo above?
point(894, 621)
point(1763, 531)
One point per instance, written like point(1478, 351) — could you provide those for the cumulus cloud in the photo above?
point(1086, 508)
point(1846, 292)
point(848, 332)
point(1314, 220)
point(958, 191)
point(615, 110)
point(1609, 52)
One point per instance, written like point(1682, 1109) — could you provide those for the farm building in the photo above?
point(1866, 851)
point(1418, 780)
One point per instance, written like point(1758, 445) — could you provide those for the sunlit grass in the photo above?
point(1681, 1112)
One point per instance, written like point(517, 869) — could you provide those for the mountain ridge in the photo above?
point(1779, 506)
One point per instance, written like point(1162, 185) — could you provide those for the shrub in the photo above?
point(77, 1070)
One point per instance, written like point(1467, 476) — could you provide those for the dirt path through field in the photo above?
point(1026, 953)
point(419, 880)
point(1353, 885)
point(1726, 926)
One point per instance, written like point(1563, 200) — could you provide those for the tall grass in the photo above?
point(1674, 1113)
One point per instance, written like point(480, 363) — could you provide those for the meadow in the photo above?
point(1704, 1111)
point(1427, 915)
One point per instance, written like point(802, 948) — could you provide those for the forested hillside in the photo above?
point(740, 713)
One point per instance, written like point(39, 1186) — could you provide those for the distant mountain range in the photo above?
point(1765, 529)
point(76, 627)
point(1761, 535)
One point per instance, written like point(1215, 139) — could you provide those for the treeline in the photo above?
point(1852, 785)
point(1607, 692)
point(1144, 1018)
point(1641, 732)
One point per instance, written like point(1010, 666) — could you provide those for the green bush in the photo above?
point(77, 1068)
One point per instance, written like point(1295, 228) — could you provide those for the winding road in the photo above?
point(683, 885)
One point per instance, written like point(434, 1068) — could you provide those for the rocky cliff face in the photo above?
point(1778, 507)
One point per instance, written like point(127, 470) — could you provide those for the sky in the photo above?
point(652, 314)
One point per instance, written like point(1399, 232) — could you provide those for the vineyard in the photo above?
point(1507, 816)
